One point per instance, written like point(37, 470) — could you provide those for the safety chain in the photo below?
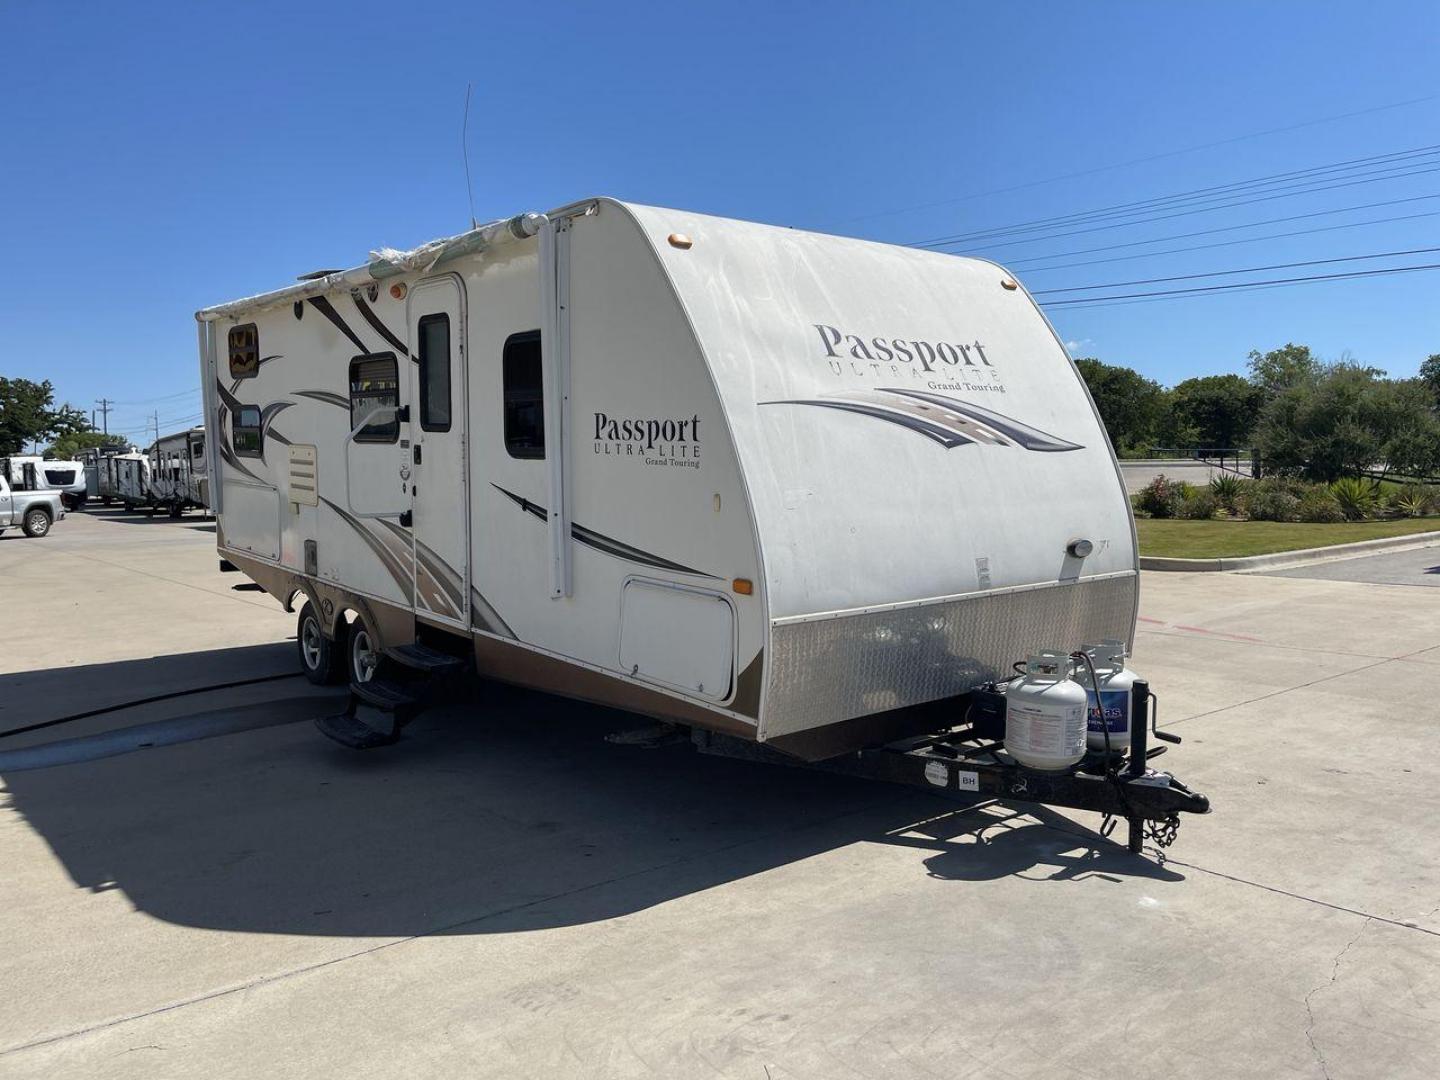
point(1163, 832)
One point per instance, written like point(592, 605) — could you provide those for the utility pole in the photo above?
point(104, 404)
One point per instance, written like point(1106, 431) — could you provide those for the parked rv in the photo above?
point(178, 472)
point(34, 510)
point(132, 479)
point(67, 477)
point(776, 487)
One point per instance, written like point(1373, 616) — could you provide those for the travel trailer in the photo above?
point(102, 476)
point(67, 477)
point(132, 479)
point(179, 471)
point(776, 487)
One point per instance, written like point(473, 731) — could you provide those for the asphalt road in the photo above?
point(1420, 566)
point(203, 886)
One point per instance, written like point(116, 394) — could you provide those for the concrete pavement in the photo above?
point(505, 894)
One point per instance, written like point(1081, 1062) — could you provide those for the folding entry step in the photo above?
point(421, 657)
point(379, 708)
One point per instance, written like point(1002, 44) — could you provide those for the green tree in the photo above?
point(1345, 419)
point(27, 414)
point(1131, 406)
point(1430, 376)
point(1220, 410)
point(1280, 369)
point(69, 446)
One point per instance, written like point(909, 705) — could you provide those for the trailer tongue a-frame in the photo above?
point(801, 495)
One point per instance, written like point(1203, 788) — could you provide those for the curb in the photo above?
point(1290, 558)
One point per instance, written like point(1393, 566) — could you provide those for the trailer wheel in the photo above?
point(37, 523)
point(321, 660)
point(364, 652)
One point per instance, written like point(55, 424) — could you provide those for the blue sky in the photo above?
point(158, 158)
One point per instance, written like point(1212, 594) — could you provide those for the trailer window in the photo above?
point(244, 344)
point(375, 380)
point(524, 396)
point(435, 372)
point(247, 431)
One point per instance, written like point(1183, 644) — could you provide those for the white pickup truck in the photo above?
point(33, 511)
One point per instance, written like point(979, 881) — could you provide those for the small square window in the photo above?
point(375, 380)
point(524, 396)
point(248, 437)
point(244, 351)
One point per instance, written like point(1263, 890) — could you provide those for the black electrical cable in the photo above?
point(1200, 290)
point(1244, 270)
point(1200, 247)
point(1301, 179)
point(1166, 217)
point(1147, 159)
point(145, 701)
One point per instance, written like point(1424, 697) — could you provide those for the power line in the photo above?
point(1207, 289)
point(1185, 213)
point(103, 406)
point(1246, 270)
point(1197, 194)
point(162, 397)
point(1232, 228)
point(1206, 247)
point(1149, 158)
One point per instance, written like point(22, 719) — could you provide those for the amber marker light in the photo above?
point(680, 240)
point(398, 290)
point(1006, 283)
point(743, 586)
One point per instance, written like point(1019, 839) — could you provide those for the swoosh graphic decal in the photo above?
point(484, 617)
point(440, 587)
point(945, 436)
point(605, 544)
point(368, 314)
point(945, 420)
point(1030, 438)
point(322, 305)
point(382, 551)
point(324, 395)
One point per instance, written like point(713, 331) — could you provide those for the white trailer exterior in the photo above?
point(179, 471)
point(132, 479)
point(766, 482)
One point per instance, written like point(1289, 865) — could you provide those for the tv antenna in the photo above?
point(465, 153)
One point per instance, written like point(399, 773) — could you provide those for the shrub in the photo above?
point(1272, 504)
point(1320, 507)
point(1229, 491)
point(1199, 506)
point(1412, 500)
point(1358, 498)
point(1161, 498)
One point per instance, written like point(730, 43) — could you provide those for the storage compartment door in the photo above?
point(678, 637)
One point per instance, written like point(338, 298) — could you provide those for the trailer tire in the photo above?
point(321, 659)
point(363, 658)
point(37, 523)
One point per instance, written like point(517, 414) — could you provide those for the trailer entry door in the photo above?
point(440, 482)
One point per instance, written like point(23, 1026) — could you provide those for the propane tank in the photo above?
point(1045, 714)
point(1111, 703)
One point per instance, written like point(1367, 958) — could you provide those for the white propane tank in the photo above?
point(1116, 697)
point(1045, 712)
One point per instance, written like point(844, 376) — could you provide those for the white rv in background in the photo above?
point(132, 479)
point(68, 478)
point(759, 481)
point(179, 472)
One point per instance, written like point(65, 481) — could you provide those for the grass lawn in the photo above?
point(1232, 539)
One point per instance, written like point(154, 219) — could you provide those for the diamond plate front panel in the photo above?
point(830, 670)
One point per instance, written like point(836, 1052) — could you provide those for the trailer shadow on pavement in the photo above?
point(503, 813)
